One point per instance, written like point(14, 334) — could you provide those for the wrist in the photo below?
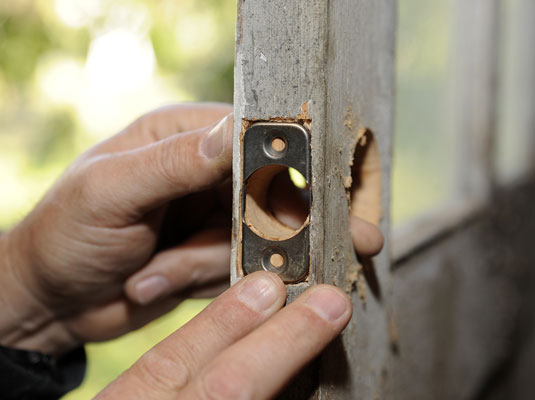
point(25, 322)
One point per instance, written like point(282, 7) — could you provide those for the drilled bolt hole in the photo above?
point(276, 260)
point(277, 202)
point(278, 144)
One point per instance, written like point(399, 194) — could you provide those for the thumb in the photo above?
point(136, 181)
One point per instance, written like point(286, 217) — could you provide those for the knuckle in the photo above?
point(95, 199)
point(170, 163)
point(145, 126)
point(188, 259)
point(224, 382)
point(91, 176)
point(229, 319)
point(87, 183)
point(165, 370)
point(305, 326)
point(179, 161)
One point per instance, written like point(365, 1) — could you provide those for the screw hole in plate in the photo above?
point(278, 144)
point(274, 259)
point(275, 145)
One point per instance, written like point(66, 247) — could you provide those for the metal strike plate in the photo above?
point(269, 148)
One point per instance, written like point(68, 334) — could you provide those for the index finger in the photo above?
point(170, 365)
point(259, 365)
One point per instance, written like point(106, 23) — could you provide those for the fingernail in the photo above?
point(213, 143)
point(151, 288)
point(258, 293)
point(328, 303)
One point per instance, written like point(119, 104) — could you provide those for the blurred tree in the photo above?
point(24, 39)
point(49, 96)
point(55, 140)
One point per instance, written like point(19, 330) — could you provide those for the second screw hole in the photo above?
point(278, 144)
point(276, 260)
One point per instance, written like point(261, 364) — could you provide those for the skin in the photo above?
point(134, 226)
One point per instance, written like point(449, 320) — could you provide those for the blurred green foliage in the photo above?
point(207, 70)
point(42, 129)
point(24, 41)
point(26, 37)
point(193, 45)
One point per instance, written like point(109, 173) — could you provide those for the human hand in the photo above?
point(242, 346)
point(98, 227)
point(135, 225)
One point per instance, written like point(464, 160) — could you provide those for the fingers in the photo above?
point(290, 208)
point(118, 317)
point(162, 123)
point(171, 119)
point(259, 365)
point(367, 237)
point(237, 347)
point(169, 366)
point(203, 259)
point(209, 290)
point(124, 186)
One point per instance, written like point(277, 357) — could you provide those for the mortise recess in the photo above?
point(363, 187)
point(363, 190)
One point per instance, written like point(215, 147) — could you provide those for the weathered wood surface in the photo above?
point(278, 48)
point(360, 93)
point(463, 303)
point(464, 306)
point(450, 318)
point(333, 61)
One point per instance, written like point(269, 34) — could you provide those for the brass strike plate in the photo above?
point(270, 148)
